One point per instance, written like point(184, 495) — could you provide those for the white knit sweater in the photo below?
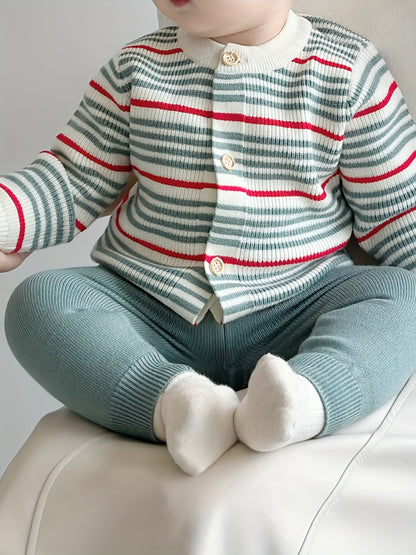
point(253, 168)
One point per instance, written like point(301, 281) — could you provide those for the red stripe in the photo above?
point(226, 259)
point(156, 248)
point(383, 225)
point(274, 263)
point(69, 142)
point(170, 107)
point(225, 116)
point(80, 226)
point(175, 182)
point(322, 61)
point(248, 192)
point(51, 153)
point(155, 50)
point(281, 194)
point(105, 93)
point(380, 105)
point(387, 175)
point(21, 216)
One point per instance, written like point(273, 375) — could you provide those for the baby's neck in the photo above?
point(257, 35)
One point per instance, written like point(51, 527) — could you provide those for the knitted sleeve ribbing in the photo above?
point(378, 164)
point(66, 188)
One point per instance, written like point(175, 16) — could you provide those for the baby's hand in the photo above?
point(11, 261)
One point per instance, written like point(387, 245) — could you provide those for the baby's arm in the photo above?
point(378, 165)
point(66, 188)
point(11, 261)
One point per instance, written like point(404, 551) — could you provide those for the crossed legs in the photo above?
point(121, 359)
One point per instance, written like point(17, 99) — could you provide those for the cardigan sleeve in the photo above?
point(378, 164)
point(67, 187)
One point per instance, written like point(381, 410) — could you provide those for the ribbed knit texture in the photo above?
point(108, 350)
point(133, 403)
point(323, 145)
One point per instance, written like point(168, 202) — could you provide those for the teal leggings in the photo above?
point(107, 350)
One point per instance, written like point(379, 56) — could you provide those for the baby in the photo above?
point(223, 305)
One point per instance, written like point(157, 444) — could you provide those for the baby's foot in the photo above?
point(279, 408)
point(196, 419)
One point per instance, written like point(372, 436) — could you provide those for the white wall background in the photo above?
point(49, 50)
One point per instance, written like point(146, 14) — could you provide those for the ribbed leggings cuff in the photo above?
point(134, 401)
point(340, 391)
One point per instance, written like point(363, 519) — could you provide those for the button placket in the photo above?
point(223, 160)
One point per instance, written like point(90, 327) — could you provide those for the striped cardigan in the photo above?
point(253, 167)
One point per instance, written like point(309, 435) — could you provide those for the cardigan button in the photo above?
point(216, 266)
point(230, 58)
point(228, 162)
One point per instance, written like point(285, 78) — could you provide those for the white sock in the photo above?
point(280, 407)
point(196, 419)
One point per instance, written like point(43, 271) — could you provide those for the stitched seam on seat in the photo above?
point(41, 503)
point(356, 461)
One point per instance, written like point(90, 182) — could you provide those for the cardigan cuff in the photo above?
point(4, 229)
point(11, 218)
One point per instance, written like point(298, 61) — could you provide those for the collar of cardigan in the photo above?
point(274, 54)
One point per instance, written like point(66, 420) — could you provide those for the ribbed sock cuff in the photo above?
point(313, 409)
point(158, 425)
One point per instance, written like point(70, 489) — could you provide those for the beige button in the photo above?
point(228, 162)
point(216, 266)
point(230, 58)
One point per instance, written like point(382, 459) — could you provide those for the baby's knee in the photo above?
point(33, 296)
point(34, 309)
point(400, 283)
point(398, 286)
